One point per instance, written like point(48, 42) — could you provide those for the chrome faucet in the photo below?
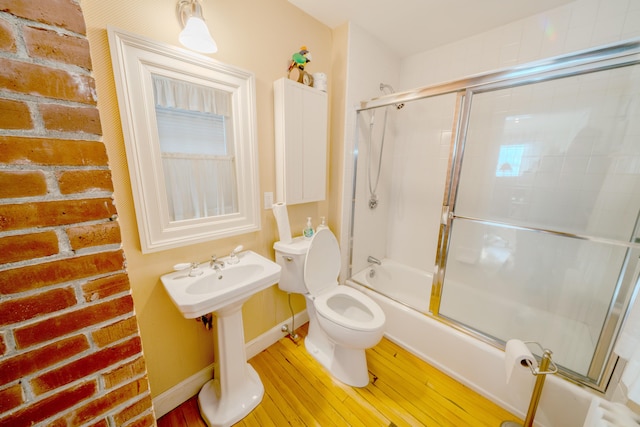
point(373, 260)
point(218, 268)
point(214, 262)
point(216, 265)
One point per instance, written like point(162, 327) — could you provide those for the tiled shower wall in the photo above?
point(578, 25)
point(70, 350)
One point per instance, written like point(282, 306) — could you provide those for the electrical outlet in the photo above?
point(268, 200)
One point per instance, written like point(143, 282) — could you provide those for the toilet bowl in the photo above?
point(343, 321)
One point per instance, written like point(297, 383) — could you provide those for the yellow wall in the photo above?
point(257, 35)
point(337, 119)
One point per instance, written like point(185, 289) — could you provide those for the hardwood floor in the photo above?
point(403, 391)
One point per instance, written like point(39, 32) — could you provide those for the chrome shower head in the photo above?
point(388, 90)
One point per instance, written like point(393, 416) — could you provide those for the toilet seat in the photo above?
point(342, 305)
point(349, 308)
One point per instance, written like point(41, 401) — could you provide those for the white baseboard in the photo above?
point(183, 391)
point(274, 334)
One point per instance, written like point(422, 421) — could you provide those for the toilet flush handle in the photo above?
point(287, 258)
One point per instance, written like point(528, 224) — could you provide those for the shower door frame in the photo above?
point(604, 58)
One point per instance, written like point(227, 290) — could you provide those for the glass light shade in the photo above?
point(196, 36)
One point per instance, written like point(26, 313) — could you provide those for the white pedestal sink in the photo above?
point(236, 388)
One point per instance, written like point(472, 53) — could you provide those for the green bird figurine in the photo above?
point(300, 59)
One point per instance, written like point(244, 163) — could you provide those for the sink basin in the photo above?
point(208, 292)
point(224, 279)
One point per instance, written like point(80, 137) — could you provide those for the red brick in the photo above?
point(60, 13)
point(82, 181)
point(145, 421)
point(124, 373)
point(20, 309)
point(15, 115)
point(35, 79)
point(3, 346)
point(58, 423)
point(53, 46)
point(106, 403)
point(53, 327)
point(61, 212)
point(28, 246)
point(86, 366)
point(64, 118)
point(50, 273)
point(30, 362)
point(53, 152)
point(22, 183)
point(10, 398)
point(45, 408)
point(115, 332)
point(133, 411)
point(106, 233)
point(7, 38)
point(106, 287)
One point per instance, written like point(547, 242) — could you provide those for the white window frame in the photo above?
point(135, 59)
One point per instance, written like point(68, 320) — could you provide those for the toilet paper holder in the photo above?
point(546, 367)
point(550, 368)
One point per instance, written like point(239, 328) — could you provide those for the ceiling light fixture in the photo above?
point(195, 34)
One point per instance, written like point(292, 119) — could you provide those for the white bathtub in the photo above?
point(474, 363)
point(399, 282)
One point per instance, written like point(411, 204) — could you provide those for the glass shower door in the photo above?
point(543, 239)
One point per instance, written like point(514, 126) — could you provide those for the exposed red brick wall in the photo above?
point(70, 348)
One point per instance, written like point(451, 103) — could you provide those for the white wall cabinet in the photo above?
point(301, 142)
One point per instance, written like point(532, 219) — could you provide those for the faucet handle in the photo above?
point(233, 257)
point(195, 269)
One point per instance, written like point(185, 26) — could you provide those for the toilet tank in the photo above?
point(290, 256)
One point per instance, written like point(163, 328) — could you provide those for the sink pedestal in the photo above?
point(236, 388)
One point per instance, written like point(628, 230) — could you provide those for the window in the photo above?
point(510, 160)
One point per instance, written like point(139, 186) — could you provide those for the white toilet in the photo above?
point(343, 321)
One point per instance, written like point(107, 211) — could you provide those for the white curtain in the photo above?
point(199, 186)
point(188, 96)
point(628, 348)
point(198, 182)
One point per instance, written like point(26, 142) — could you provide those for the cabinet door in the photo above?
point(301, 142)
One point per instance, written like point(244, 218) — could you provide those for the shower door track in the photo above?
point(596, 59)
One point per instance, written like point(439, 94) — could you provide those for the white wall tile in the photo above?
point(631, 26)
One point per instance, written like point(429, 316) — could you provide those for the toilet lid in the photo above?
point(322, 263)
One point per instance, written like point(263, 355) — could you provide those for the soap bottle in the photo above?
point(307, 231)
point(322, 223)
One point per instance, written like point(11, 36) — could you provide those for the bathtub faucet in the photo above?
point(373, 260)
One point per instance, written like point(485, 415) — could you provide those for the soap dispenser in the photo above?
point(322, 223)
point(307, 231)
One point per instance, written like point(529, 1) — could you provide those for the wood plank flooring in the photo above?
point(402, 391)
